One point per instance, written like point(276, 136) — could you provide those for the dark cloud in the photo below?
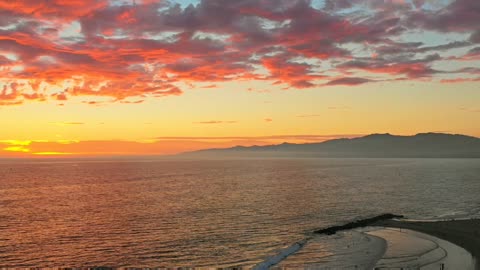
point(401, 65)
point(459, 16)
point(348, 81)
point(443, 47)
point(475, 37)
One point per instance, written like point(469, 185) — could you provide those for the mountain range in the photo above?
point(375, 145)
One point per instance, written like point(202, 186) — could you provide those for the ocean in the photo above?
point(216, 213)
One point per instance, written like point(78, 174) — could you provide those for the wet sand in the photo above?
point(410, 249)
point(464, 233)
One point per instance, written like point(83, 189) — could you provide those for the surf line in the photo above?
point(284, 253)
point(281, 255)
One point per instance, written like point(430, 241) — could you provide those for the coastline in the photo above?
point(464, 233)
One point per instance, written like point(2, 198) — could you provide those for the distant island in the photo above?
point(422, 145)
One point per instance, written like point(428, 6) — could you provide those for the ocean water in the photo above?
point(216, 213)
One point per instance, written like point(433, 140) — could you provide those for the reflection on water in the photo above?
point(209, 213)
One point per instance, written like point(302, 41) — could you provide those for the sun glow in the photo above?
point(130, 78)
point(17, 149)
point(51, 154)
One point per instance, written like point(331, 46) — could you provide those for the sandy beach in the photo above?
point(464, 233)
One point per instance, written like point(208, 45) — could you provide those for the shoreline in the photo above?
point(416, 250)
point(464, 233)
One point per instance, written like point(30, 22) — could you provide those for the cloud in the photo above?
point(348, 81)
point(338, 108)
point(268, 119)
point(470, 109)
point(215, 122)
point(309, 115)
point(296, 75)
point(459, 16)
point(444, 47)
point(128, 51)
point(475, 37)
point(57, 9)
point(306, 137)
point(68, 123)
point(258, 90)
point(209, 86)
point(406, 66)
point(472, 55)
point(460, 80)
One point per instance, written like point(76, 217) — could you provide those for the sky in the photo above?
point(146, 77)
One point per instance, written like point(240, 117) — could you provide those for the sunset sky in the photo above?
point(121, 77)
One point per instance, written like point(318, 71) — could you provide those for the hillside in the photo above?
point(374, 145)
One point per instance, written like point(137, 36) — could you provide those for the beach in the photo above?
point(464, 233)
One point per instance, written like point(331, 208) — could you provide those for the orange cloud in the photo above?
point(215, 122)
point(460, 80)
point(130, 51)
point(61, 9)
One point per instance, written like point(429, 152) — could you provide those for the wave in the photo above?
point(297, 246)
point(282, 255)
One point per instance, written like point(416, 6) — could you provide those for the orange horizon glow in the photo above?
point(115, 77)
point(161, 147)
point(64, 149)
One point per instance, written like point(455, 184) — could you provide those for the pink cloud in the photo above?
point(148, 49)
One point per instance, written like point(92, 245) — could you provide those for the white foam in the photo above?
point(281, 255)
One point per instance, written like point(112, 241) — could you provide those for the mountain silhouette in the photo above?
point(374, 145)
